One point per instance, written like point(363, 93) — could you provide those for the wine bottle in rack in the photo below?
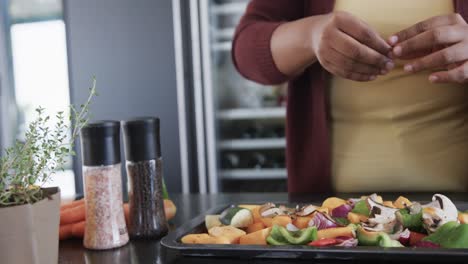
point(230, 161)
point(257, 160)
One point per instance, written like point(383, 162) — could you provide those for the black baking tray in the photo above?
point(197, 225)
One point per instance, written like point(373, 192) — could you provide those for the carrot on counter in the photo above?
point(73, 215)
point(169, 209)
point(78, 229)
point(72, 219)
point(65, 231)
point(72, 204)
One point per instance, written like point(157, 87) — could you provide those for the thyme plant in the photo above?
point(28, 165)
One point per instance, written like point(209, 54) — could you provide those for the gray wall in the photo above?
point(128, 45)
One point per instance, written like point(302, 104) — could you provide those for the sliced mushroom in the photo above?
point(269, 210)
point(437, 213)
point(387, 227)
point(382, 217)
point(380, 213)
point(287, 211)
point(306, 210)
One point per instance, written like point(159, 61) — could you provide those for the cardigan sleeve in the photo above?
point(251, 51)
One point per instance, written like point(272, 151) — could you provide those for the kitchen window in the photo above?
point(39, 69)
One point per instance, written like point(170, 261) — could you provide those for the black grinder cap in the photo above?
point(141, 139)
point(100, 143)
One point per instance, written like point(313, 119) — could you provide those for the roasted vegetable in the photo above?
point(212, 221)
point(450, 235)
point(361, 208)
point(347, 231)
point(439, 212)
point(381, 239)
point(230, 232)
point(332, 203)
point(413, 221)
point(204, 239)
point(355, 218)
point(256, 238)
point(402, 202)
point(236, 217)
point(281, 236)
point(255, 227)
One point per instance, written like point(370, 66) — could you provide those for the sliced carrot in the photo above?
point(72, 204)
point(73, 215)
point(78, 229)
point(65, 231)
point(281, 220)
point(255, 227)
point(267, 221)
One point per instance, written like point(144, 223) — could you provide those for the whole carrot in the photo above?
point(72, 204)
point(73, 215)
point(78, 229)
point(170, 209)
point(65, 231)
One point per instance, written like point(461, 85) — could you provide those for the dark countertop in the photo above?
point(189, 206)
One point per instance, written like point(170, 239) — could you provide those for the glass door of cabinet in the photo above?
point(245, 121)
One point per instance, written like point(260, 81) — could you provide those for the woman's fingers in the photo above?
point(341, 72)
point(429, 24)
point(351, 49)
point(440, 59)
point(361, 32)
point(427, 40)
point(457, 75)
point(357, 51)
point(350, 65)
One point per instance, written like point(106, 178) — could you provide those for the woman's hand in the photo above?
point(439, 43)
point(349, 48)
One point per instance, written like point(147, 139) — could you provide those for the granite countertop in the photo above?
point(189, 206)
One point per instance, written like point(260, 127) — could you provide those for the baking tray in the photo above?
point(197, 225)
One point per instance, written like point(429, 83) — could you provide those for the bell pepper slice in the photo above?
point(281, 236)
point(324, 242)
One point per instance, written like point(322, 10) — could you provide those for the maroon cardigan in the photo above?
point(308, 142)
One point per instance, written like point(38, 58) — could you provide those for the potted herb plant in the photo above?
point(29, 212)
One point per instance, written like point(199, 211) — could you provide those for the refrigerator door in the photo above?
point(239, 124)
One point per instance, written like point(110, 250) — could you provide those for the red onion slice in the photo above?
point(322, 221)
point(342, 211)
point(348, 242)
point(353, 201)
point(404, 238)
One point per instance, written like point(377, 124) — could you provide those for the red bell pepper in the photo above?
point(324, 242)
point(415, 237)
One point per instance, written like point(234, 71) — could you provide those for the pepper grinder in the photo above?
point(147, 218)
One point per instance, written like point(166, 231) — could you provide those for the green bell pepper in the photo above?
point(413, 222)
point(271, 241)
point(280, 236)
point(361, 208)
point(381, 239)
point(450, 235)
point(342, 221)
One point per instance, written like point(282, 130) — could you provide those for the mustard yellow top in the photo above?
point(399, 132)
